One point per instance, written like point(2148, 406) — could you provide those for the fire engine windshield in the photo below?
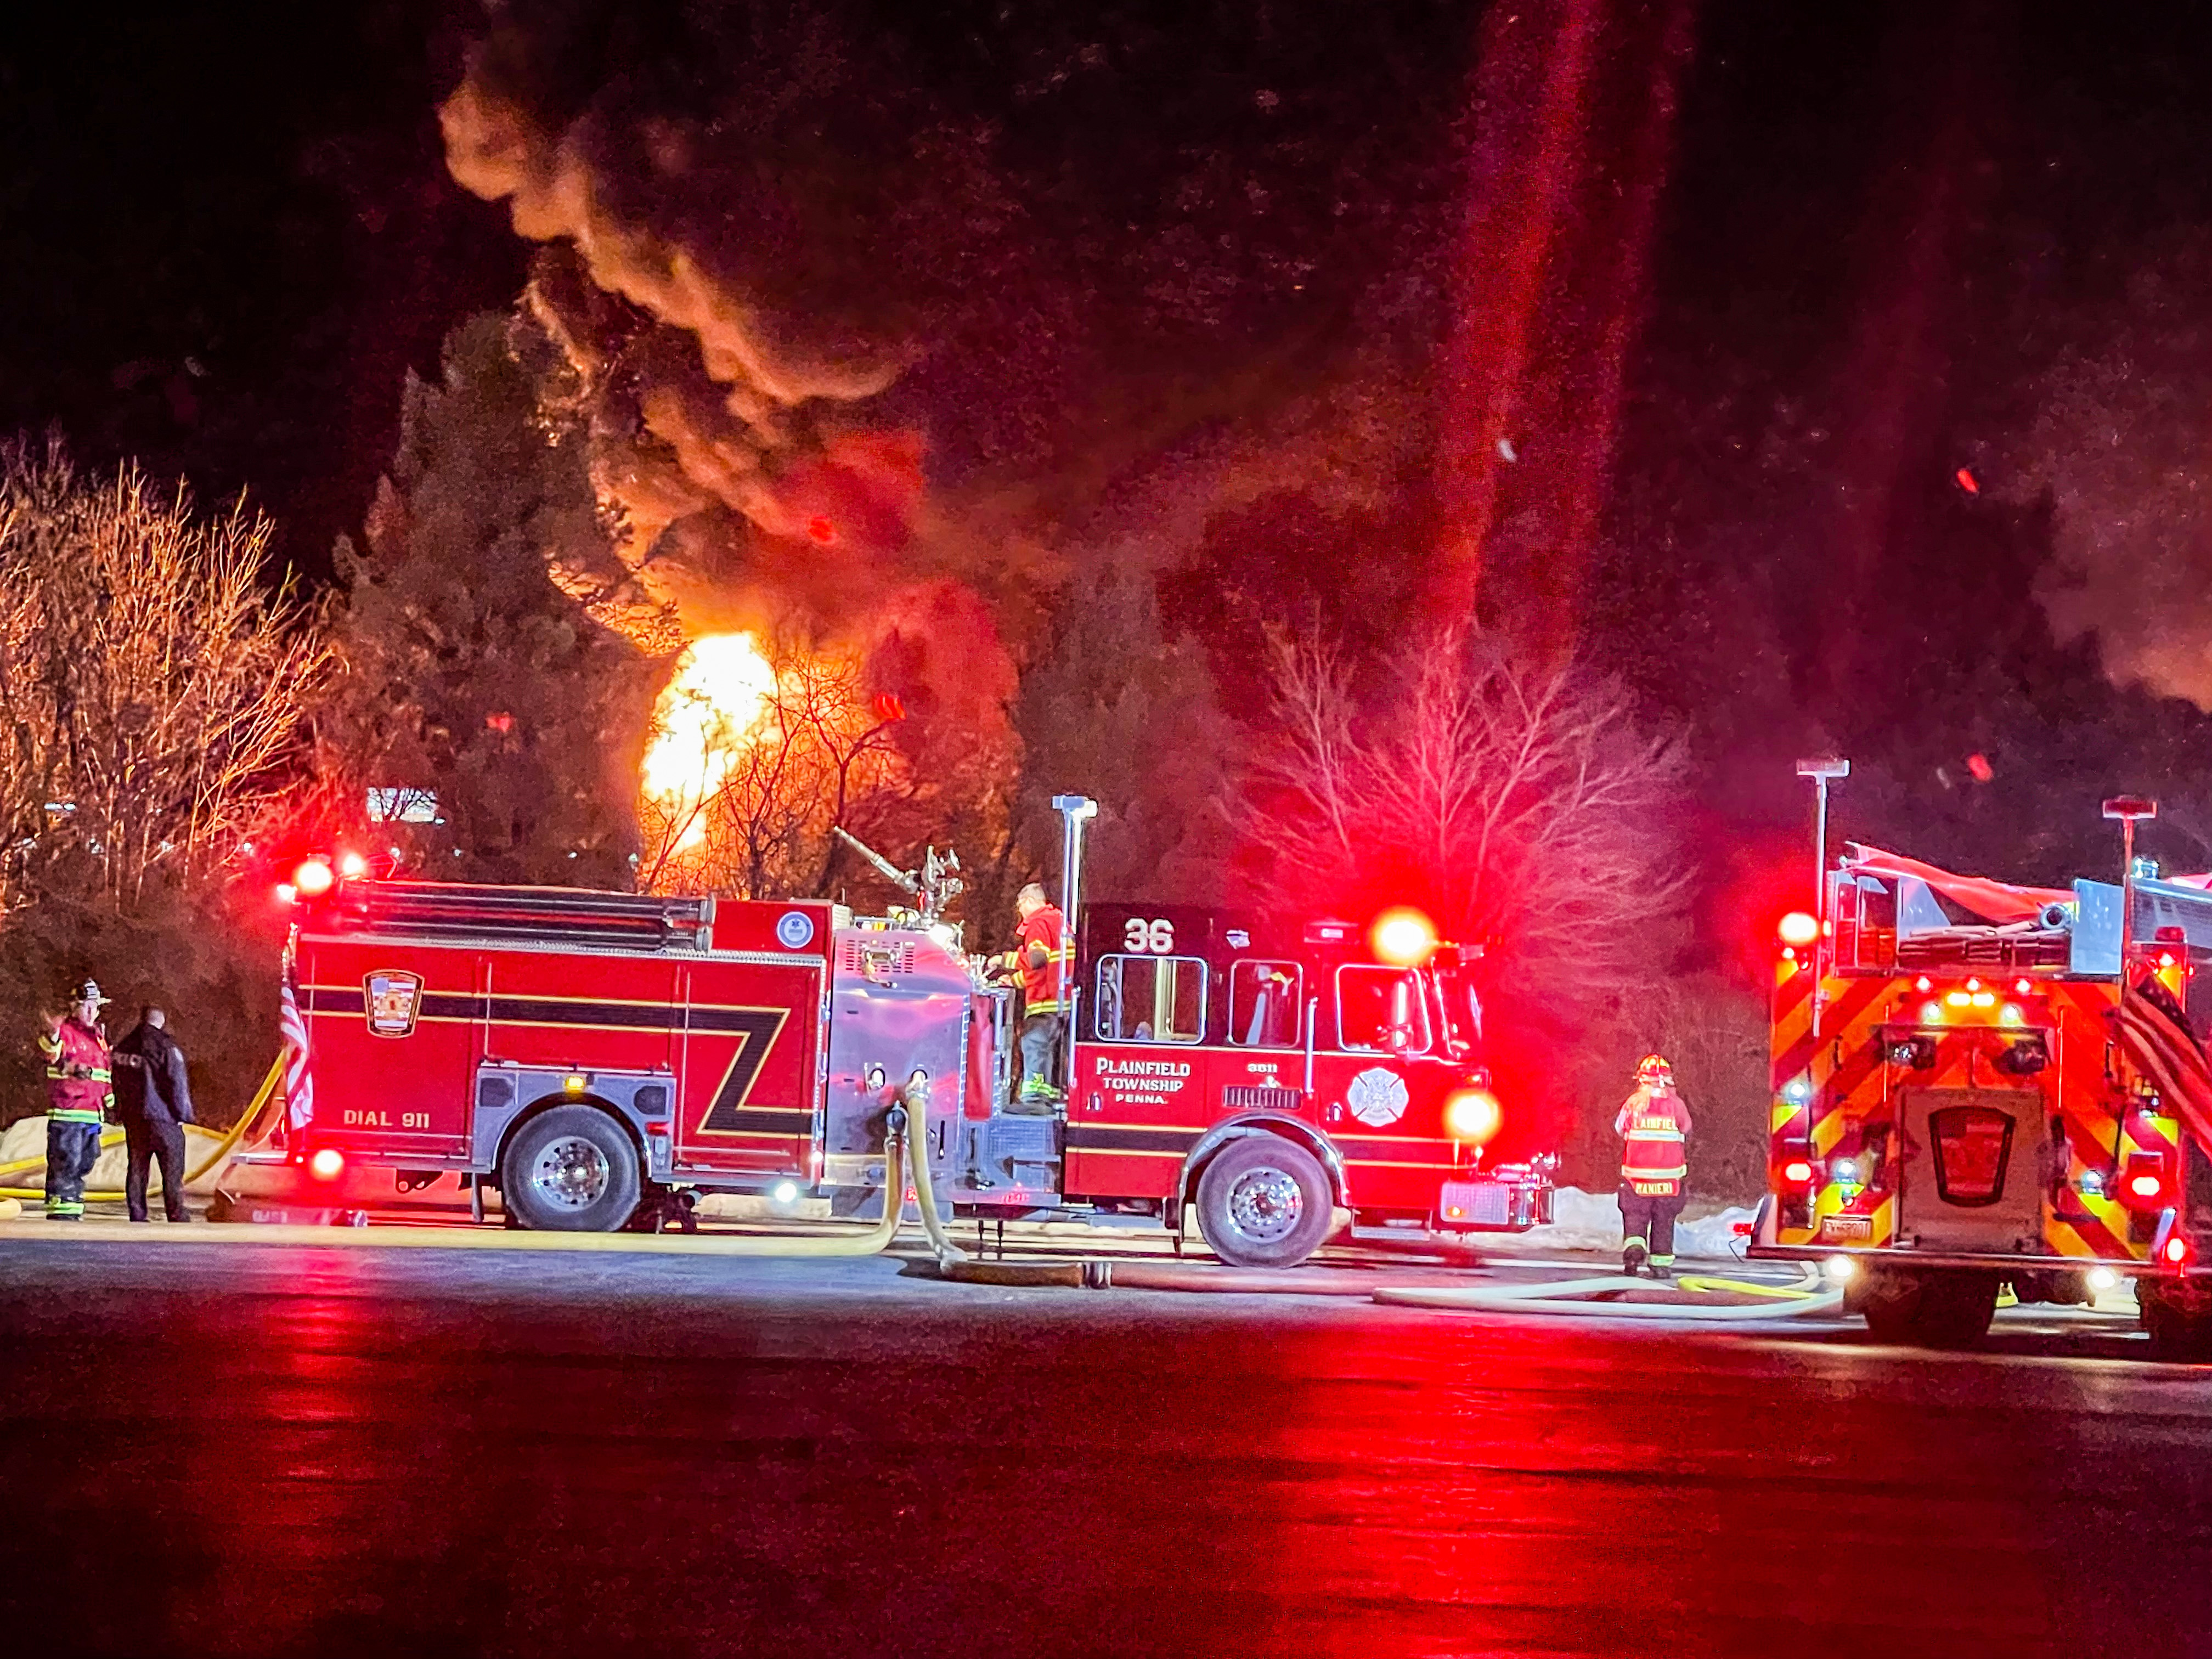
point(1462, 1006)
point(1382, 1008)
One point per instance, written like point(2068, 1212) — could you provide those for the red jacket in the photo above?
point(1652, 1126)
point(1043, 955)
point(77, 1072)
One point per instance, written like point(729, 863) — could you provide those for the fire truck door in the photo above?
point(748, 1073)
point(1971, 1169)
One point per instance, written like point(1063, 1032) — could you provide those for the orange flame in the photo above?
point(713, 707)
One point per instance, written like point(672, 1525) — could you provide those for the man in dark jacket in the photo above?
point(155, 1102)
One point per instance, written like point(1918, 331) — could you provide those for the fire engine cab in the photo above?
point(602, 1058)
point(1976, 1084)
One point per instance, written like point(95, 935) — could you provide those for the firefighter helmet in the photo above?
point(1653, 1069)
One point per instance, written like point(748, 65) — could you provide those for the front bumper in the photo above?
point(1506, 1202)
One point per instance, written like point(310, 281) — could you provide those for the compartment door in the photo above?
point(1972, 1169)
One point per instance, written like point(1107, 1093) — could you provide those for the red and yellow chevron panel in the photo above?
point(1835, 1086)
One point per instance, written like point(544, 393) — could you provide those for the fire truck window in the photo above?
point(1380, 1008)
point(1462, 1009)
point(1149, 1000)
point(1263, 1004)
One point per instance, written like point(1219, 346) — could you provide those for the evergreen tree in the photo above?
point(469, 675)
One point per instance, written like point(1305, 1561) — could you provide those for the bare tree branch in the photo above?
point(150, 684)
point(1519, 805)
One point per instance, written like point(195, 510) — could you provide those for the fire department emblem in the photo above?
point(1377, 1095)
point(392, 999)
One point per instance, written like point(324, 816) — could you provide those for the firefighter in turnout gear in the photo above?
point(1042, 956)
point(77, 1094)
point(1653, 1125)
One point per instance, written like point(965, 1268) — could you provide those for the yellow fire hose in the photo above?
point(110, 1138)
point(925, 1195)
point(1571, 1297)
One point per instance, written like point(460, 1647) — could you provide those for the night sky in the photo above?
point(1907, 267)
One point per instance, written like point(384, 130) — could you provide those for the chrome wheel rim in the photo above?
point(1265, 1204)
point(571, 1172)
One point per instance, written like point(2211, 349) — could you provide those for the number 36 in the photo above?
point(1157, 937)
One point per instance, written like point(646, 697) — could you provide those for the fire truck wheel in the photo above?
point(1264, 1202)
point(2176, 1332)
point(572, 1170)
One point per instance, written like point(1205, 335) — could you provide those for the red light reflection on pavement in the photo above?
point(335, 1452)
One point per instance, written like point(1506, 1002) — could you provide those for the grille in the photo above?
point(1247, 1097)
point(1023, 1140)
point(859, 956)
point(1485, 1203)
point(652, 1098)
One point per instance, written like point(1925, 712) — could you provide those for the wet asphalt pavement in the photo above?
point(281, 1450)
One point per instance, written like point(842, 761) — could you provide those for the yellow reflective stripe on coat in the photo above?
point(71, 1115)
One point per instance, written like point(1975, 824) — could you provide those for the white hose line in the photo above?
point(1571, 1296)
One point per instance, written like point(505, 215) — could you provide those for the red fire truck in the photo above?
point(1965, 1097)
point(601, 1059)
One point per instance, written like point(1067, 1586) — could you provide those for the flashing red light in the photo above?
point(326, 1165)
point(1965, 480)
point(286, 893)
point(821, 530)
point(1798, 927)
point(1978, 765)
point(502, 722)
point(1797, 1172)
point(2145, 1186)
point(890, 706)
point(353, 867)
point(2177, 1251)
point(1472, 1116)
point(2166, 959)
point(315, 878)
point(1403, 937)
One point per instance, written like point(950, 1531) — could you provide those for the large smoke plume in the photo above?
point(2116, 445)
point(854, 300)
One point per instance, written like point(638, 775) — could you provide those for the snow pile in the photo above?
point(1591, 1221)
point(26, 1138)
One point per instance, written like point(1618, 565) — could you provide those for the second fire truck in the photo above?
point(602, 1058)
point(1976, 1084)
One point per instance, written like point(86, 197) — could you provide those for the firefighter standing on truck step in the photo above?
point(1041, 955)
point(1654, 1127)
point(77, 1094)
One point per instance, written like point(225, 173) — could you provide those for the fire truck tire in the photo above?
point(1264, 1201)
point(2176, 1332)
point(573, 1169)
point(1930, 1310)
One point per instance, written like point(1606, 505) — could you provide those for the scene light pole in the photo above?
point(1822, 770)
point(2128, 809)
